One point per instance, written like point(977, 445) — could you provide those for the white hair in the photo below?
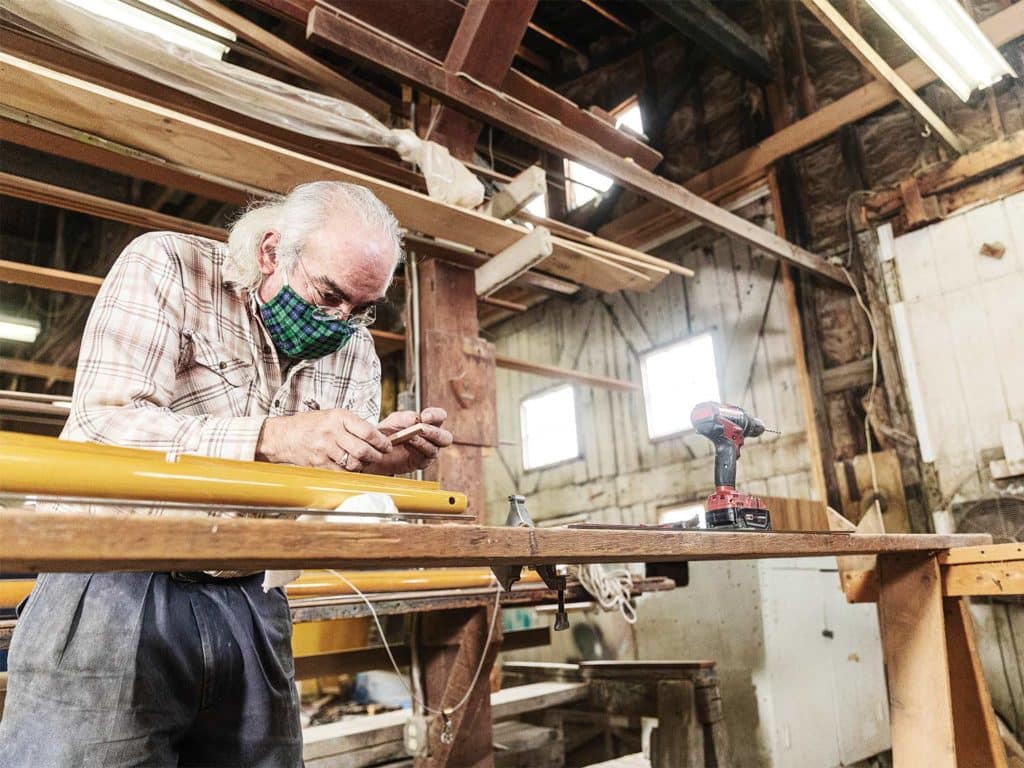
point(297, 217)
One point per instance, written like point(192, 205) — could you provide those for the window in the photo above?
point(548, 423)
point(138, 18)
point(538, 206)
point(690, 515)
point(676, 378)
point(583, 184)
point(631, 118)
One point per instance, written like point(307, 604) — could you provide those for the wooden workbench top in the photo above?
point(32, 541)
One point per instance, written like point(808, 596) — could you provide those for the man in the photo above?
point(257, 350)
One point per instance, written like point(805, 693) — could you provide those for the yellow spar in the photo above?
point(30, 464)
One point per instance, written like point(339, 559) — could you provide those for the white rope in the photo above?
point(612, 589)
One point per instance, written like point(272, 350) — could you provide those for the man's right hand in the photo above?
point(334, 439)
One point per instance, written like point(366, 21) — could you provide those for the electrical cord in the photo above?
point(447, 712)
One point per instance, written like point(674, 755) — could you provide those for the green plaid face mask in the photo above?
point(300, 330)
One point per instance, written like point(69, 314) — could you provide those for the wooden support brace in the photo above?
point(977, 730)
point(498, 272)
point(851, 39)
point(910, 618)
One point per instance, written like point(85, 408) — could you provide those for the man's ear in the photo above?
point(267, 255)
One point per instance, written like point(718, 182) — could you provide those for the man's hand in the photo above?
point(421, 450)
point(333, 439)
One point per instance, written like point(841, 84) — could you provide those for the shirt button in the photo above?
point(266, 349)
point(222, 365)
point(277, 403)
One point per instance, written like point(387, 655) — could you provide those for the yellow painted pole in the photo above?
point(30, 464)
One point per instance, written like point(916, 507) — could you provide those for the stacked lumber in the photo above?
point(191, 142)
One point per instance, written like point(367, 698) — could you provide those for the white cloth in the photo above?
point(379, 503)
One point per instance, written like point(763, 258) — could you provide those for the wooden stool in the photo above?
point(683, 695)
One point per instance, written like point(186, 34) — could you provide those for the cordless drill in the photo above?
point(726, 426)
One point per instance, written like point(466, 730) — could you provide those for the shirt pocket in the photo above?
point(218, 380)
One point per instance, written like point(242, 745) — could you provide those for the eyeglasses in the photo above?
point(359, 316)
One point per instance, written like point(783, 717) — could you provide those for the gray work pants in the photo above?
point(111, 670)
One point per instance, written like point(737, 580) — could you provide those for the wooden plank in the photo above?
point(994, 579)
point(978, 744)
point(330, 81)
point(483, 48)
point(917, 671)
point(747, 166)
point(675, 703)
point(92, 205)
point(43, 542)
point(335, 738)
point(851, 39)
point(187, 140)
point(702, 24)
point(348, 36)
point(989, 553)
point(16, 367)
point(51, 279)
point(506, 266)
point(847, 376)
point(566, 374)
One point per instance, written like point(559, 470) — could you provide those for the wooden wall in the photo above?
point(737, 296)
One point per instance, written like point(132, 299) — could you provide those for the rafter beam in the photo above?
point(483, 48)
point(750, 166)
point(351, 37)
point(705, 26)
point(16, 367)
point(861, 50)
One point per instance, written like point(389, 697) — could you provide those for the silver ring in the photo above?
point(343, 463)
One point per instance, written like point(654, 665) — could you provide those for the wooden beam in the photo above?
point(92, 205)
point(861, 50)
point(41, 542)
point(910, 619)
point(182, 139)
point(748, 166)
point(843, 377)
point(330, 81)
point(565, 374)
point(429, 26)
point(351, 37)
point(17, 273)
point(702, 24)
point(483, 48)
point(16, 367)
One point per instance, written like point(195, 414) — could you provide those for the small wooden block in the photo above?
point(407, 434)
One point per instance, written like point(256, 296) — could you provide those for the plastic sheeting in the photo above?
point(243, 91)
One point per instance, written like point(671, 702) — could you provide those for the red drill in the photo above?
point(726, 426)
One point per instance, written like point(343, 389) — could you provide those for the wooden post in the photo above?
point(913, 632)
point(452, 645)
point(978, 744)
point(457, 374)
point(675, 719)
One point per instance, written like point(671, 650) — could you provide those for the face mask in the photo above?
point(300, 330)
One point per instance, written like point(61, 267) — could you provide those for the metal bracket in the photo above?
point(507, 575)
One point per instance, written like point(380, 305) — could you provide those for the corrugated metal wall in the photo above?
point(737, 296)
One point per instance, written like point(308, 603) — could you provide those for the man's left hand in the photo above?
point(420, 451)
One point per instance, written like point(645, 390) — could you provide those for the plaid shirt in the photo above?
point(175, 358)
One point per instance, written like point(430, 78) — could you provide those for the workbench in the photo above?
point(941, 715)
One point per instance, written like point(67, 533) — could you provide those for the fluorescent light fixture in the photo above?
point(136, 18)
point(17, 329)
point(947, 40)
